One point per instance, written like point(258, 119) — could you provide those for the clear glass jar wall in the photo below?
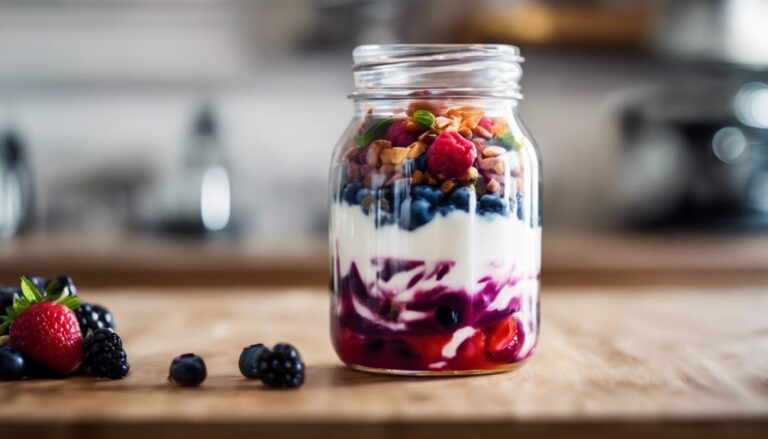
point(435, 225)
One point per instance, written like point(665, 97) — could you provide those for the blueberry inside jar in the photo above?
point(435, 230)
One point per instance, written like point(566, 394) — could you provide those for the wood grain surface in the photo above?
point(674, 362)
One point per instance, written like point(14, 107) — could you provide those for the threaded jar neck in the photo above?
point(398, 71)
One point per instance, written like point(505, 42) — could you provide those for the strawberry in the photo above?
point(45, 329)
point(502, 341)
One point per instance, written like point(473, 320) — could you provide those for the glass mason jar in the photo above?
point(435, 228)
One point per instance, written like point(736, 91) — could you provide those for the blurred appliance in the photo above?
point(15, 186)
point(696, 155)
point(695, 148)
point(730, 31)
point(201, 201)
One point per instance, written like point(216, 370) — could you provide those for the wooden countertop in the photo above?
point(569, 257)
point(680, 362)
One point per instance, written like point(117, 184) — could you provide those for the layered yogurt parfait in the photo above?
point(435, 238)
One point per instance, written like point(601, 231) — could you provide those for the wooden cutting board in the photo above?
point(684, 363)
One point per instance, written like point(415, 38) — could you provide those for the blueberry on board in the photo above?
point(349, 193)
point(460, 198)
point(431, 194)
point(445, 210)
point(187, 370)
point(492, 204)
point(12, 364)
point(249, 360)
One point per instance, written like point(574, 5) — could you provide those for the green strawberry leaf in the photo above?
point(30, 291)
point(375, 131)
point(71, 302)
point(424, 117)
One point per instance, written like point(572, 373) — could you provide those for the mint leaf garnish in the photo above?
point(375, 131)
point(424, 117)
point(507, 141)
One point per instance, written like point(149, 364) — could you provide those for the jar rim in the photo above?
point(372, 55)
point(396, 71)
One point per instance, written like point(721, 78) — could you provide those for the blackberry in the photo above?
point(12, 364)
point(249, 360)
point(105, 356)
point(93, 317)
point(187, 370)
point(57, 285)
point(282, 367)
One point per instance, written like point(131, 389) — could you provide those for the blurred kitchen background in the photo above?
point(187, 142)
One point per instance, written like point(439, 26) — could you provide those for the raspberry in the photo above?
point(398, 135)
point(451, 155)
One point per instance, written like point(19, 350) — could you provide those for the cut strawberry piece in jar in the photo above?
point(429, 347)
point(471, 354)
point(501, 341)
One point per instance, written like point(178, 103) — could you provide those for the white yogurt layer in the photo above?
point(480, 246)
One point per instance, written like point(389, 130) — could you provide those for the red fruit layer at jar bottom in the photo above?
point(494, 347)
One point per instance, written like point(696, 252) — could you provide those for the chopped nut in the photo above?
point(493, 151)
point(431, 181)
point(427, 135)
point(500, 126)
point(472, 173)
point(374, 151)
point(387, 168)
point(482, 132)
point(417, 177)
point(416, 149)
point(443, 122)
point(393, 155)
point(495, 164)
point(493, 186)
point(466, 132)
point(447, 186)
